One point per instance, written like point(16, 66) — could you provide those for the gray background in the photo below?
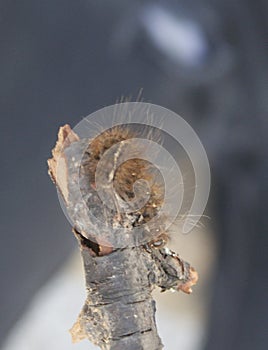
point(61, 60)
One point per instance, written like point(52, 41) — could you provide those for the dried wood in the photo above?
point(119, 311)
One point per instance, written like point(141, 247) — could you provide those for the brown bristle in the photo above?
point(129, 172)
point(102, 143)
point(108, 138)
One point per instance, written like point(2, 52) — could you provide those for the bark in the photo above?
point(119, 312)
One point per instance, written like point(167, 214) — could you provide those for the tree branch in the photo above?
point(119, 312)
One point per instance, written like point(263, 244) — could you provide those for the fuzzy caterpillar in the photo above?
point(125, 177)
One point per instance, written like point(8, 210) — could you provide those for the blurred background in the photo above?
point(61, 60)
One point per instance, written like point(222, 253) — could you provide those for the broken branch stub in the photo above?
point(124, 257)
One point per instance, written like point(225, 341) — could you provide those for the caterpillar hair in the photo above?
point(127, 174)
